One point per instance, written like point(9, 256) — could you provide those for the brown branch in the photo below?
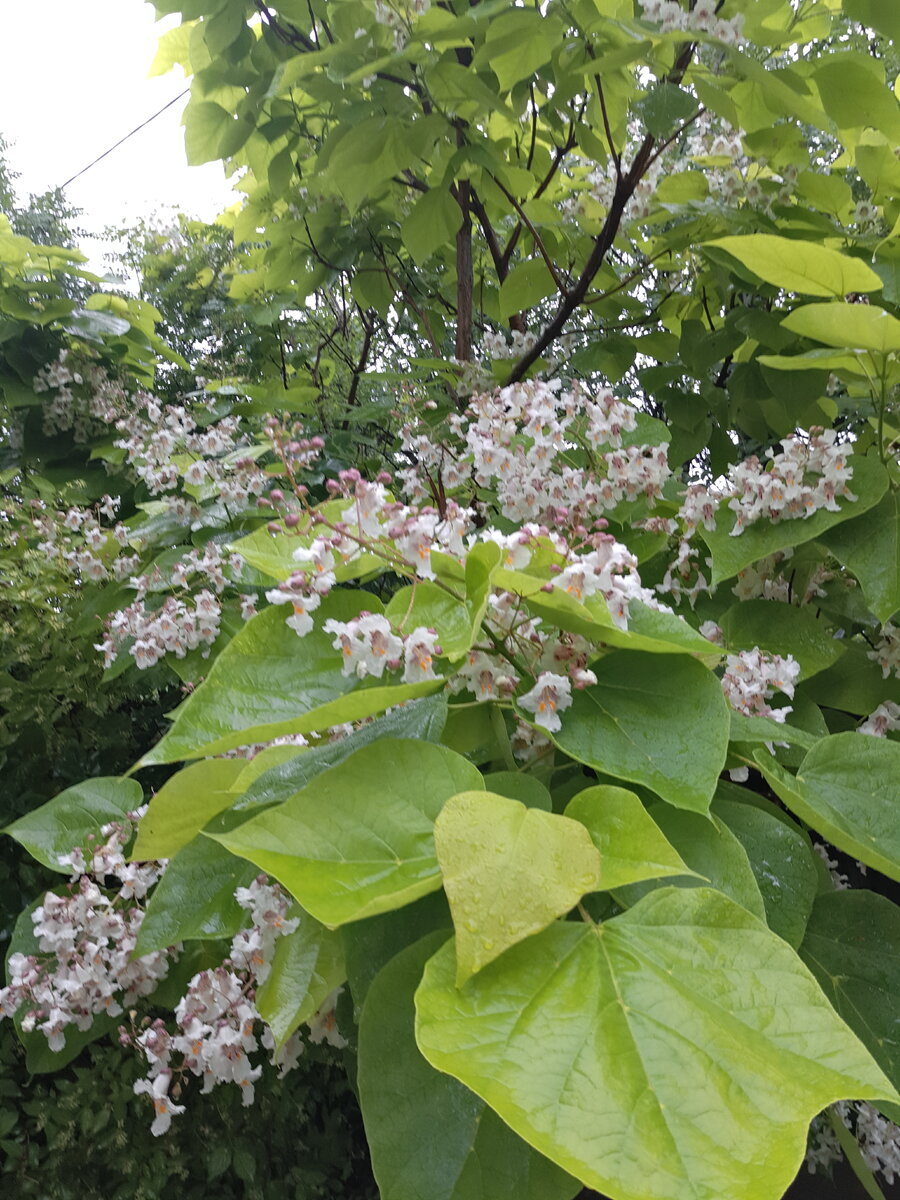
point(465, 275)
point(536, 237)
point(625, 188)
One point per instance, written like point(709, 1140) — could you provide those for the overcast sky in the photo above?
point(73, 81)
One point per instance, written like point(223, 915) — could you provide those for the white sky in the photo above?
point(73, 80)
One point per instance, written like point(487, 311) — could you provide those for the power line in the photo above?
point(100, 157)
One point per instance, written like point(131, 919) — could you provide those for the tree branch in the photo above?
point(625, 188)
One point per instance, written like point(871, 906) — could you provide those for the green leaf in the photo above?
point(430, 1138)
point(70, 818)
point(524, 286)
point(183, 805)
point(195, 897)
point(782, 860)
point(370, 944)
point(425, 603)
point(854, 95)
point(423, 719)
point(798, 266)
point(882, 15)
point(852, 946)
point(665, 107)
point(655, 719)
point(765, 729)
point(307, 966)
point(518, 786)
point(685, 1043)
point(268, 682)
point(732, 554)
point(779, 628)
point(508, 872)
point(853, 684)
point(711, 851)
point(869, 546)
point(205, 125)
point(846, 789)
point(358, 839)
point(431, 224)
point(632, 846)
point(854, 326)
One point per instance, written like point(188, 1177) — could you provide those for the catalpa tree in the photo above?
point(553, 732)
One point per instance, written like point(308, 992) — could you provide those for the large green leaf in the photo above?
point(370, 944)
point(783, 629)
point(424, 719)
point(656, 719)
point(69, 819)
point(856, 326)
point(854, 684)
point(508, 872)
point(782, 861)
point(632, 846)
point(431, 1138)
point(846, 789)
point(183, 805)
point(732, 554)
point(799, 266)
point(683, 1048)
point(869, 546)
point(883, 15)
point(268, 682)
point(765, 729)
point(713, 854)
point(431, 223)
point(307, 966)
point(852, 946)
point(195, 897)
point(358, 839)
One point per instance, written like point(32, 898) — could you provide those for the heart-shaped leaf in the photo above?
point(632, 846)
point(431, 1138)
point(358, 839)
point(686, 1046)
point(656, 719)
point(508, 872)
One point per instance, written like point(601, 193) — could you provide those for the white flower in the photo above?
point(418, 652)
point(550, 695)
point(165, 1110)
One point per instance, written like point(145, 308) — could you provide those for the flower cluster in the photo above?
point(702, 17)
point(887, 650)
point(884, 720)
point(217, 1018)
point(85, 400)
point(752, 678)
point(806, 476)
point(177, 627)
point(181, 623)
point(87, 937)
point(81, 543)
point(878, 1138)
point(168, 447)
